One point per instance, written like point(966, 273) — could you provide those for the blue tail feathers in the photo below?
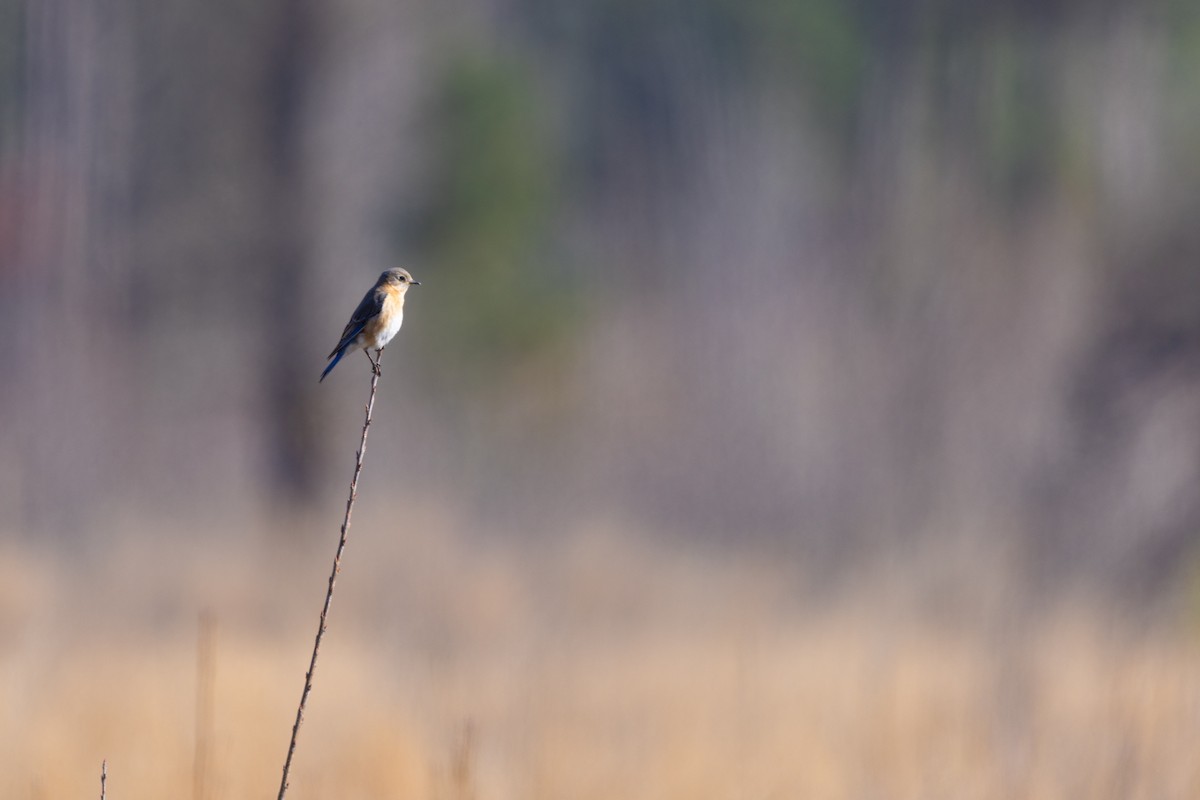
point(336, 358)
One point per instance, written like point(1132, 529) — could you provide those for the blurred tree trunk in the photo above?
point(67, 256)
point(292, 445)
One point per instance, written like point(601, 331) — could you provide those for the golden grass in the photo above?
point(595, 668)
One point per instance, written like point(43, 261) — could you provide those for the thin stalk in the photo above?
point(337, 566)
point(206, 657)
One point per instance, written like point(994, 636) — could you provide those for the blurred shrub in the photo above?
point(489, 226)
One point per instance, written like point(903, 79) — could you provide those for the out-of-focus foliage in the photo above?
point(834, 274)
point(487, 231)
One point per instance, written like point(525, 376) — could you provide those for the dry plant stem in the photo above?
point(205, 669)
point(103, 777)
point(337, 566)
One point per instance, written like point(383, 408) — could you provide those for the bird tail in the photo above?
point(336, 358)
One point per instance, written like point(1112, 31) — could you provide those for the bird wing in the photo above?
point(371, 305)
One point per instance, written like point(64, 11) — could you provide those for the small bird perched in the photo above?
point(376, 320)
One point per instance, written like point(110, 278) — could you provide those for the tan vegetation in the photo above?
point(595, 667)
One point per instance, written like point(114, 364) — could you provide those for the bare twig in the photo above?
point(205, 668)
point(337, 566)
point(103, 777)
point(461, 756)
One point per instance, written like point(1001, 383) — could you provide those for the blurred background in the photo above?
point(802, 397)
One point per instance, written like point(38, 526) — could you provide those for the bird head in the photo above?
point(399, 277)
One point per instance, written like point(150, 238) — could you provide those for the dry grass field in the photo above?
point(593, 667)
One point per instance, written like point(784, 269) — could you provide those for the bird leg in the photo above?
point(374, 364)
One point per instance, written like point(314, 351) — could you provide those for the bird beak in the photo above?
point(415, 283)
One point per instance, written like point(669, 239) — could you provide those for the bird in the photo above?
point(376, 320)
